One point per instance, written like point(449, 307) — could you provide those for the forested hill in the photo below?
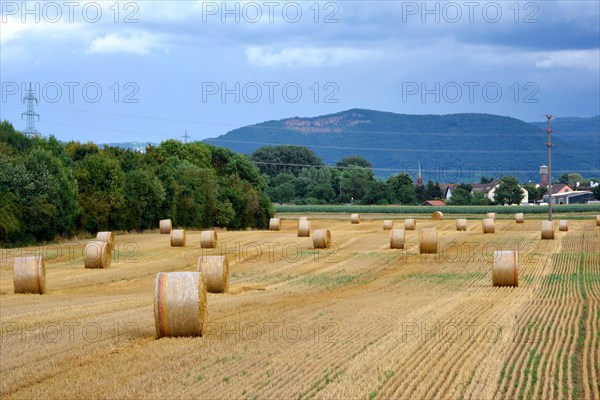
point(572, 125)
point(456, 147)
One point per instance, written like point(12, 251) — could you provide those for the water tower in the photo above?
point(544, 175)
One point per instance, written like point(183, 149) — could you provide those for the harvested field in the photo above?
point(356, 320)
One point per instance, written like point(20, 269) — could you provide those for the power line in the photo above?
point(429, 171)
point(140, 116)
point(375, 148)
point(280, 128)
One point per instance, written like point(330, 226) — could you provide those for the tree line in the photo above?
point(50, 189)
point(297, 175)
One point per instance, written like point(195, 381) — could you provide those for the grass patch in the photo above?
point(526, 279)
point(440, 278)
point(328, 279)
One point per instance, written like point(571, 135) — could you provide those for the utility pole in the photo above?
point(549, 130)
point(30, 113)
point(185, 137)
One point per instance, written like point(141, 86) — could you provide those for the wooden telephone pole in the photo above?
point(549, 144)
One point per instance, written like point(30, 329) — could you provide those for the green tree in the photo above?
point(272, 160)
point(283, 177)
point(78, 151)
point(14, 141)
point(485, 179)
point(433, 191)
point(575, 178)
point(322, 191)
point(355, 183)
point(101, 190)
point(144, 196)
point(508, 191)
point(195, 203)
point(379, 192)
point(57, 186)
point(403, 188)
point(479, 199)
point(406, 195)
point(39, 195)
point(284, 193)
point(397, 181)
point(196, 153)
point(10, 217)
point(564, 178)
point(48, 188)
point(229, 163)
point(252, 207)
point(461, 196)
point(535, 193)
point(597, 192)
point(357, 161)
point(420, 193)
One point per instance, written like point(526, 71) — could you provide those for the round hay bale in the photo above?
point(519, 218)
point(598, 220)
point(563, 225)
point(274, 224)
point(355, 218)
point(29, 275)
point(388, 224)
point(505, 268)
point(303, 218)
point(396, 239)
point(304, 228)
point(410, 224)
point(548, 230)
point(461, 224)
point(215, 272)
point(208, 239)
point(437, 216)
point(489, 226)
point(428, 242)
point(165, 226)
point(97, 254)
point(179, 304)
point(491, 215)
point(107, 237)
point(321, 238)
point(178, 238)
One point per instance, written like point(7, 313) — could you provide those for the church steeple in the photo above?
point(419, 176)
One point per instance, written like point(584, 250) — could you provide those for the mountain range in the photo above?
point(449, 148)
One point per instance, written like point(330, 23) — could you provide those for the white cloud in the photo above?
point(495, 57)
point(137, 43)
point(305, 56)
point(15, 31)
point(587, 59)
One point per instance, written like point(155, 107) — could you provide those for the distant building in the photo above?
point(433, 203)
point(489, 190)
point(419, 176)
point(571, 197)
point(544, 175)
point(559, 188)
point(447, 189)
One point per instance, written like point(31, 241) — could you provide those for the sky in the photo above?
point(108, 71)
